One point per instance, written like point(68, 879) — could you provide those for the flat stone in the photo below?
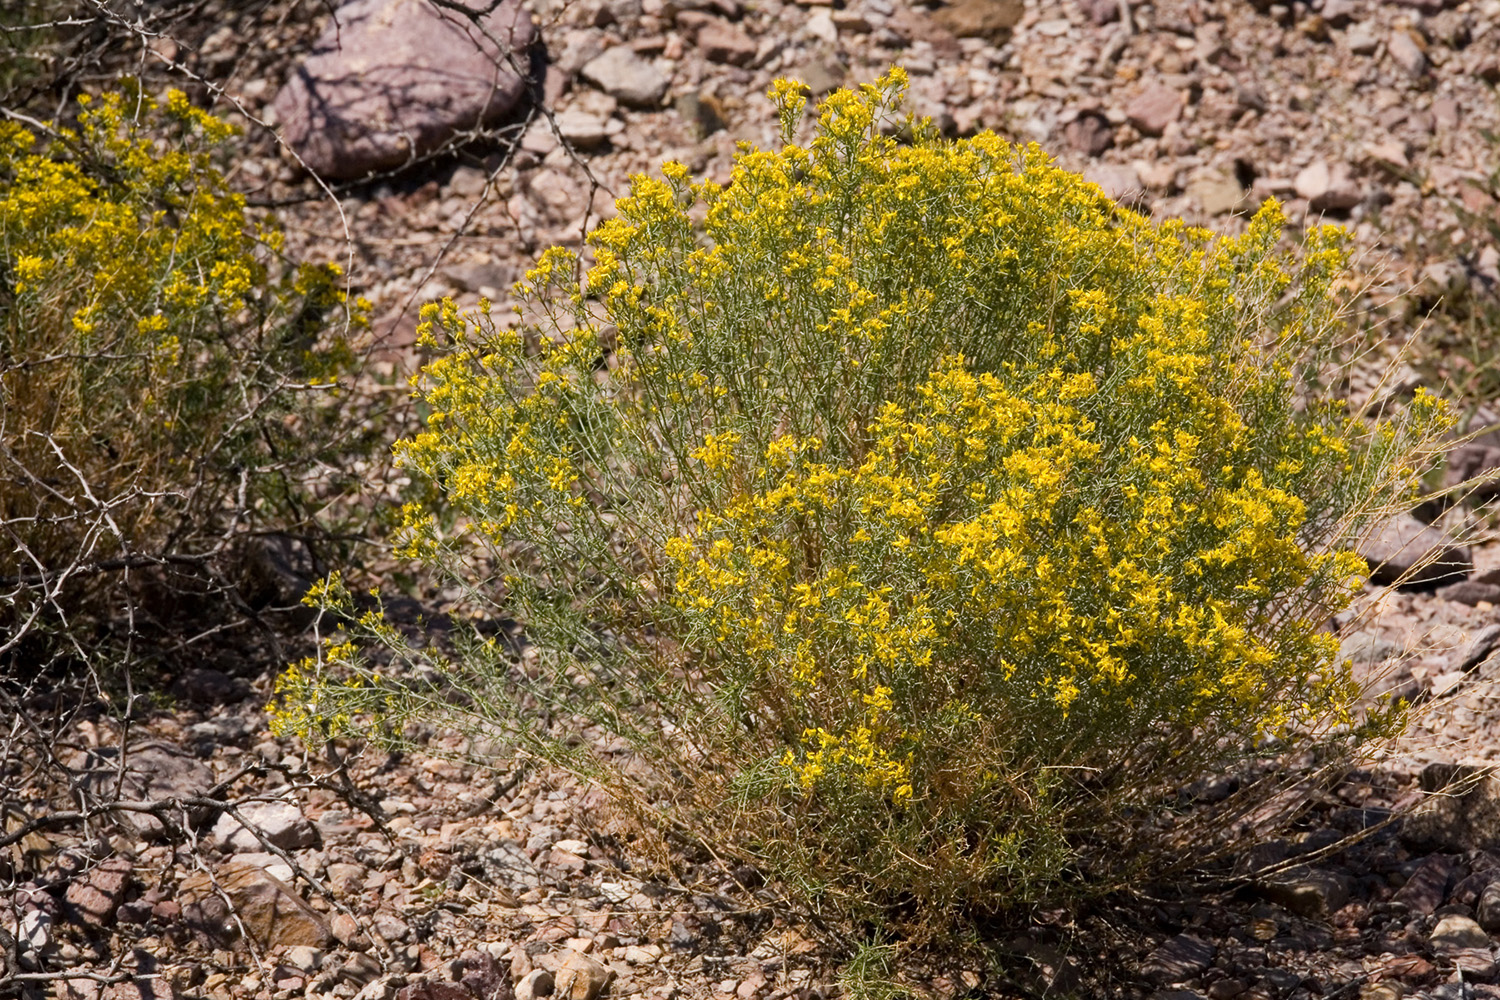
point(280, 823)
point(393, 79)
point(535, 984)
point(1328, 188)
point(1311, 892)
point(1470, 592)
point(990, 19)
point(580, 978)
point(1090, 133)
point(1118, 182)
point(92, 898)
point(1407, 53)
point(1461, 820)
point(1216, 193)
point(1403, 549)
point(154, 772)
point(1154, 109)
point(1178, 960)
point(268, 909)
point(722, 42)
point(1455, 931)
point(626, 77)
point(1427, 887)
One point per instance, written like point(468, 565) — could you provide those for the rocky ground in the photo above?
point(240, 867)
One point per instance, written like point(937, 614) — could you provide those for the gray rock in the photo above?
point(154, 773)
point(280, 823)
point(1367, 649)
point(394, 79)
point(1456, 931)
point(1478, 649)
point(303, 958)
point(1403, 550)
point(626, 77)
point(1178, 960)
point(1470, 592)
point(1118, 182)
point(1154, 109)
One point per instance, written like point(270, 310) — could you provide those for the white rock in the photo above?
point(626, 77)
point(280, 823)
point(1328, 189)
point(303, 957)
point(1360, 40)
point(820, 25)
point(536, 983)
point(1455, 931)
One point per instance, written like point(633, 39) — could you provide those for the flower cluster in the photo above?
point(940, 514)
point(158, 358)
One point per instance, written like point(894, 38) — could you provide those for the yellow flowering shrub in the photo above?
point(165, 379)
point(918, 523)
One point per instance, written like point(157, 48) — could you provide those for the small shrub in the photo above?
point(166, 386)
point(918, 524)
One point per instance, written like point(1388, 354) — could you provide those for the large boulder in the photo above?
point(393, 79)
point(1403, 550)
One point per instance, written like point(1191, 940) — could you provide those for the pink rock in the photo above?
point(1328, 189)
point(722, 42)
point(1154, 109)
point(393, 79)
point(1408, 55)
